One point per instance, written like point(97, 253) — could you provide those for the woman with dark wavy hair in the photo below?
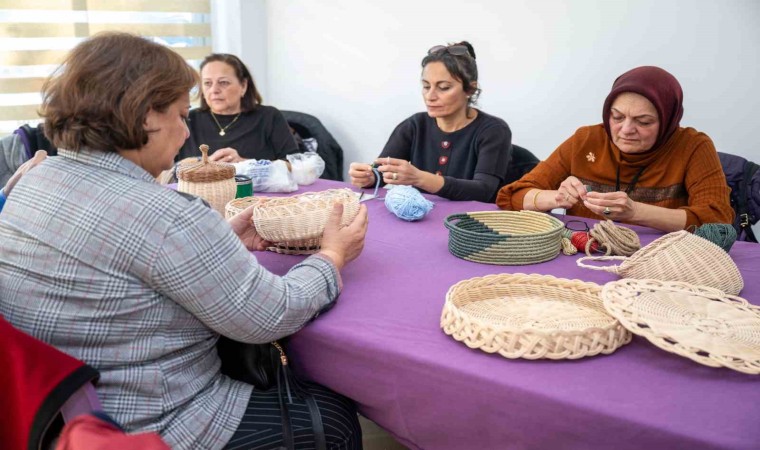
point(231, 119)
point(138, 280)
point(452, 150)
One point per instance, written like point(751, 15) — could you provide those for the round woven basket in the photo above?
point(697, 322)
point(677, 256)
point(296, 223)
point(504, 237)
point(213, 182)
point(532, 317)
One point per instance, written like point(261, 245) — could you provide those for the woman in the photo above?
point(231, 119)
point(639, 166)
point(138, 280)
point(454, 150)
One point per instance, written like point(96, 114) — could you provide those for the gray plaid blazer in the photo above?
point(139, 282)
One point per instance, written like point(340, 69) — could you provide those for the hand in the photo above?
point(227, 155)
point(242, 225)
point(398, 171)
point(342, 244)
point(361, 175)
point(570, 192)
point(621, 207)
point(39, 156)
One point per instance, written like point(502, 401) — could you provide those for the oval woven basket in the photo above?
point(296, 223)
point(677, 256)
point(504, 237)
point(532, 317)
point(697, 322)
point(237, 205)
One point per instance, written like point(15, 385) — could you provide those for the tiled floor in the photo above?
point(375, 438)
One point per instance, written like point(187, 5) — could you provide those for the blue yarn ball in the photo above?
point(407, 203)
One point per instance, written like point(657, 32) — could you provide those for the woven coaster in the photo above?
point(698, 322)
point(531, 317)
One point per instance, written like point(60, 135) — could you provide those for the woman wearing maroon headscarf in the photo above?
point(638, 166)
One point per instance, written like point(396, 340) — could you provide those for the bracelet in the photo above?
point(535, 196)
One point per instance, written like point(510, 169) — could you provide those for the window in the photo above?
point(35, 35)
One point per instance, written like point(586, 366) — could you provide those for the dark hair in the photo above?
point(100, 95)
point(461, 67)
point(252, 97)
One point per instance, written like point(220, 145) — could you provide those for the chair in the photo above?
point(743, 177)
point(523, 161)
point(308, 126)
point(39, 384)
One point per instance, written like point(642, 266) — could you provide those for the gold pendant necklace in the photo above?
point(221, 128)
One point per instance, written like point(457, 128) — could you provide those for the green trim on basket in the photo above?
point(504, 237)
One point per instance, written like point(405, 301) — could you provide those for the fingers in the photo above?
point(227, 154)
point(336, 216)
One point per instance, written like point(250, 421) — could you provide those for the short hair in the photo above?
point(100, 95)
point(461, 67)
point(252, 97)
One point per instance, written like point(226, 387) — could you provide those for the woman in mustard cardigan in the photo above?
point(638, 166)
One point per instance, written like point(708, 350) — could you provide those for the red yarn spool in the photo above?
point(579, 240)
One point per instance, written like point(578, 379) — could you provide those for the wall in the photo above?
point(545, 66)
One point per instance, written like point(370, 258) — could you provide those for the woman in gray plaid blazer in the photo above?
point(138, 280)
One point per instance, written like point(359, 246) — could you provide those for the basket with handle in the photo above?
point(296, 223)
point(213, 182)
point(504, 237)
point(532, 317)
point(677, 256)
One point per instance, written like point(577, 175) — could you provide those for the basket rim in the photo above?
point(453, 227)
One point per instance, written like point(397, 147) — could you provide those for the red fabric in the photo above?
point(87, 432)
point(30, 371)
point(659, 87)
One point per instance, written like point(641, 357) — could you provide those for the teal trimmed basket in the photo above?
point(506, 238)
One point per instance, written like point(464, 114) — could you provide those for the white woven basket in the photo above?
point(532, 317)
point(697, 322)
point(678, 256)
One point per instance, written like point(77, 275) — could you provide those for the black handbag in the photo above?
point(266, 366)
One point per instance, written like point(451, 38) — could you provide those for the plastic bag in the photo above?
point(306, 167)
point(267, 176)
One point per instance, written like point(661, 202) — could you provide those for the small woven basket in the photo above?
point(296, 223)
point(504, 237)
point(677, 256)
point(532, 317)
point(213, 182)
point(697, 322)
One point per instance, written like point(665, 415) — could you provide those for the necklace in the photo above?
point(632, 185)
point(221, 128)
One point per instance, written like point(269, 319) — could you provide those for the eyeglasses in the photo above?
point(456, 50)
point(577, 225)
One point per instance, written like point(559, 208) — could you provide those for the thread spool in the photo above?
point(407, 203)
point(579, 239)
point(721, 234)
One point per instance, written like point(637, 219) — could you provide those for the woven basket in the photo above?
point(532, 317)
point(213, 182)
point(296, 223)
point(504, 237)
point(237, 205)
point(678, 256)
point(696, 322)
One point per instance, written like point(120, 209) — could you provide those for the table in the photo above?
point(382, 345)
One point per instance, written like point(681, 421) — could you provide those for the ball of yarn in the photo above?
point(579, 240)
point(720, 234)
point(407, 203)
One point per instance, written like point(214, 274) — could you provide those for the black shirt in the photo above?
point(473, 160)
point(261, 134)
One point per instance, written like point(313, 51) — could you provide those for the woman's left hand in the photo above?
point(611, 205)
point(398, 171)
point(242, 225)
point(227, 155)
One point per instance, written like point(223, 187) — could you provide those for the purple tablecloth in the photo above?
point(382, 345)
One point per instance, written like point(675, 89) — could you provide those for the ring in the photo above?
point(395, 176)
point(606, 211)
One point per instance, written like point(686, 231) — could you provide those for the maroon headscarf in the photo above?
point(659, 87)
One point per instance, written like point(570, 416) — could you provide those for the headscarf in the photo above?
point(659, 87)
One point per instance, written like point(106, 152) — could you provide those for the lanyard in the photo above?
point(633, 182)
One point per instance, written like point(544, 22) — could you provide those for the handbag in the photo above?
point(266, 366)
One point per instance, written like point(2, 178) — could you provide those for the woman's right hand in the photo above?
point(570, 192)
point(361, 175)
point(342, 244)
point(227, 155)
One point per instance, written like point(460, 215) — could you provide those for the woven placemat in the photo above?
point(504, 237)
point(532, 317)
point(698, 322)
